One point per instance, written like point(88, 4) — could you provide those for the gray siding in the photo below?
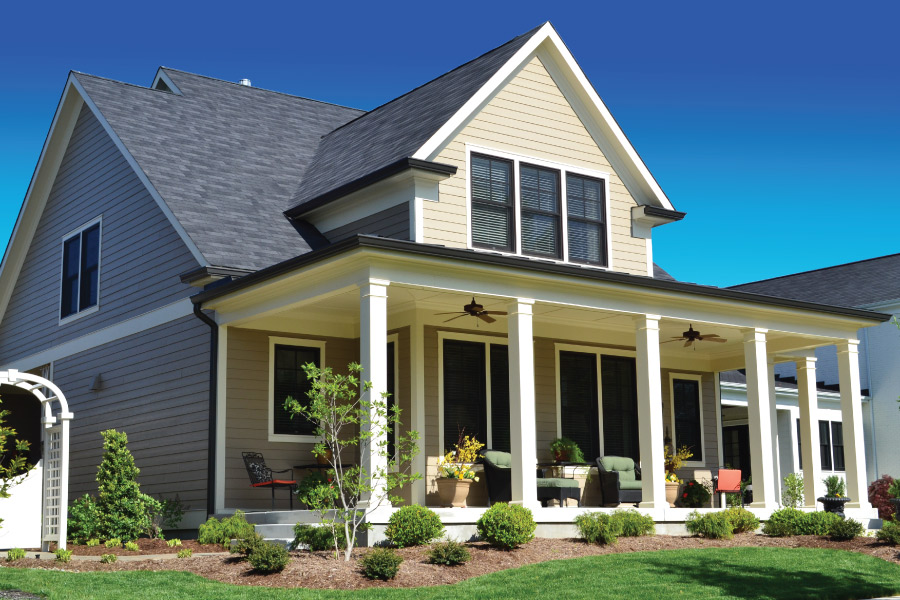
point(155, 387)
point(391, 222)
point(141, 253)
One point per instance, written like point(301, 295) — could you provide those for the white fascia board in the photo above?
point(195, 251)
point(573, 82)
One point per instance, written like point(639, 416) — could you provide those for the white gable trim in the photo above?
point(547, 45)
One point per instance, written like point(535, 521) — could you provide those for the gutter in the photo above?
point(213, 399)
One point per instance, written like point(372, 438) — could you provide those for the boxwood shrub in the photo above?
point(890, 533)
point(381, 563)
point(413, 525)
point(784, 522)
point(597, 528)
point(817, 523)
point(713, 525)
point(843, 530)
point(269, 558)
point(631, 523)
point(506, 526)
point(449, 553)
point(742, 520)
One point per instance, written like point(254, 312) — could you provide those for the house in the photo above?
point(871, 284)
point(184, 247)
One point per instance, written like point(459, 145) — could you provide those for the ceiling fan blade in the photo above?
point(456, 317)
point(672, 340)
point(485, 318)
point(706, 336)
point(688, 343)
point(451, 313)
point(717, 340)
point(494, 312)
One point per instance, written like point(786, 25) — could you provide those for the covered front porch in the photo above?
point(580, 353)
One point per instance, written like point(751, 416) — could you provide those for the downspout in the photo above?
point(875, 475)
point(213, 396)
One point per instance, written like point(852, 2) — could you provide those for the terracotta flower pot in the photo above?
point(325, 458)
point(672, 492)
point(453, 492)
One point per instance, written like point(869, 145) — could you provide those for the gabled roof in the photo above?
point(226, 158)
point(861, 283)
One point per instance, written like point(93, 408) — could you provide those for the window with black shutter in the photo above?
point(290, 381)
point(539, 197)
point(391, 400)
point(579, 417)
point(837, 444)
point(80, 271)
point(618, 382)
point(465, 394)
point(585, 209)
point(825, 445)
point(687, 416)
point(493, 213)
point(500, 397)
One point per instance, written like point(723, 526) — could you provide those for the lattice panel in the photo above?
point(52, 482)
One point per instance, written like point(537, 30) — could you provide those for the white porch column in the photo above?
point(851, 413)
point(650, 418)
point(522, 430)
point(759, 413)
point(373, 358)
point(773, 418)
point(417, 402)
point(809, 429)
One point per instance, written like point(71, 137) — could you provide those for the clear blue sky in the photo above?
point(774, 125)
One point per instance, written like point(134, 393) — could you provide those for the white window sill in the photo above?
point(79, 314)
point(294, 439)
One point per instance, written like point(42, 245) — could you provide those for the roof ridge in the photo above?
point(260, 89)
point(110, 80)
point(855, 262)
point(430, 81)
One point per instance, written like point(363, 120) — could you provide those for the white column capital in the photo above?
point(374, 287)
point(755, 334)
point(520, 306)
point(806, 363)
point(851, 346)
point(647, 322)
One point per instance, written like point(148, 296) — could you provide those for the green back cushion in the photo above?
point(622, 464)
point(499, 459)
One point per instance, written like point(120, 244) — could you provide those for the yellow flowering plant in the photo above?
point(673, 461)
point(457, 463)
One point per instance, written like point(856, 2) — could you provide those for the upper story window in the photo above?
point(538, 208)
point(80, 271)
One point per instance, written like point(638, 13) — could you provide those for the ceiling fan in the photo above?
point(690, 336)
point(474, 309)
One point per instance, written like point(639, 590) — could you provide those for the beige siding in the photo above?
point(530, 116)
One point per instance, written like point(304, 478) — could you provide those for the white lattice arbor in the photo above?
point(55, 419)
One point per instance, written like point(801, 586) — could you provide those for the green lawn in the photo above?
point(709, 573)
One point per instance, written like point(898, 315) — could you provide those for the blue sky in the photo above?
point(774, 125)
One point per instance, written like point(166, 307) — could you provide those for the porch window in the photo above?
point(687, 415)
point(831, 444)
point(492, 203)
point(291, 381)
point(825, 445)
point(539, 190)
point(578, 401)
point(80, 271)
point(586, 207)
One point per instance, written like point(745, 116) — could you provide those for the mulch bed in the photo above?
point(147, 546)
point(321, 570)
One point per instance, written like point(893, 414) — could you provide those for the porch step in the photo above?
point(276, 532)
point(279, 517)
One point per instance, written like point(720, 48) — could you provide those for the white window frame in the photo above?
point(62, 254)
point(287, 341)
point(598, 352)
point(699, 380)
point(564, 169)
point(466, 337)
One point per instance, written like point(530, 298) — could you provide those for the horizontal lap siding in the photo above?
point(530, 116)
point(390, 223)
point(141, 253)
point(155, 388)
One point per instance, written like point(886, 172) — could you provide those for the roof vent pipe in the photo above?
point(245, 82)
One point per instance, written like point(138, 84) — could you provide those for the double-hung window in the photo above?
point(539, 191)
point(493, 210)
point(831, 445)
point(586, 208)
point(80, 271)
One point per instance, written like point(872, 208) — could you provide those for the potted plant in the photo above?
point(673, 462)
point(835, 495)
point(894, 493)
point(566, 450)
point(455, 471)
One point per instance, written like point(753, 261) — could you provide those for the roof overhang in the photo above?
point(645, 217)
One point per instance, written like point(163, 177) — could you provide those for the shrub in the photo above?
point(124, 511)
point(244, 546)
point(845, 529)
point(222, 532)
point(84, 519)
point(879, 496)
point(834, 486)
point(381, 563)
point(784, 522)
point(92, 543)
point(506, 526)
point(113, 543)
point(598, 528)
point(694, 494)
point(631, 523)
point(173, 542)
point(316, 539)
point(63, 556)
point(565, 449)
point(742, 520)
point(713, 525)
point(133, 547)
point(185, 553)
point(269, 558)
point(894, 489)
point(449, 553)
point(792, 496)
point(108, 558)
point(890, 533)
point(413, 525)
point(15, 554)
point(317, 491)
point(816, 523)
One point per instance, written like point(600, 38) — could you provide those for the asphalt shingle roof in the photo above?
point(858, 283)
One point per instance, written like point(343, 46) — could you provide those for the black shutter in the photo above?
point(837, 444)
point(391, 401)
point(688, 423)
point(465, 402)
point(500, 397)
point(799, 446)
point(290, 380)
point(578, 401)
point(825, 445)
point(618, 378)
point(492, 203)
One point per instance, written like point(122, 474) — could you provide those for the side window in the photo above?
point(492, 203)
point(290, 380)
point(539, 190)
point(80, 271)
point(585, 208)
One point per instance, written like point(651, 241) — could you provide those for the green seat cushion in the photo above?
point(629, 485)
point(622, 464)
point(556, 482)
point(499, 459)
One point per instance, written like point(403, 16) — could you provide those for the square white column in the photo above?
point(809, 429)
point(373, 359)
point(522, 430)
point(773, 418)
point(650, 418)
point(851, 414)
point(759, 413)
point(417, 403)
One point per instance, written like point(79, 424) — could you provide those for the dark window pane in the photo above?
point(578, 401)
point(618, 380)
point(825, 445)
point(90, 263)
point(465, 401)
point(500, 397)
point(539, 234)
point(391, 401)
point(837, 443)
point(491, 226)
point(71, 260)
point(290, 380)
point(492, 203)
point(586, 242)
point(736, 449)
point(585, 207)
point(688, 424)
point(799, 447)
point(539, 190)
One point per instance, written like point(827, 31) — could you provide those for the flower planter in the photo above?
point(453, 492)
point(672, 492)
point(833, 504)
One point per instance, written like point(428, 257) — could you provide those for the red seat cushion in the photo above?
point(729, 480)
point(275, 482)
